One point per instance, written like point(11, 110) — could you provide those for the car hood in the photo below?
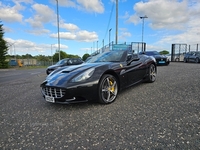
point(53, 66)
point(160, 56)
point(63, 76)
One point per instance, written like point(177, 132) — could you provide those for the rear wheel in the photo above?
point(177, 59)
point(197, 60)
point(108, 89)
point(152, 73)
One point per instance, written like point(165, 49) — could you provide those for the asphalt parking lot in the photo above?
point(160, 115)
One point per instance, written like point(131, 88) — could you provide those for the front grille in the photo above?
point(53, 92)
point(161, 59)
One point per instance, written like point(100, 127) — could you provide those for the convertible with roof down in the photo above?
point(100, 79)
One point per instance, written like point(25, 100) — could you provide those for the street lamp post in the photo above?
point(13, 47)
point(116, 36)
point(143, 30)
point(51, 55)
point(109, 36)
point(58, 31)
point(97, 46)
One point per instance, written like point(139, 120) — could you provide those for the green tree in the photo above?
point(27, 56)
point(43, 58)
point(3, 49)
point(85, 56)
point(164, 52)
point(63, 55)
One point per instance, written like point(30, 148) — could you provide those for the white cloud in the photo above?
point(169, 14)
point(11, 14)
point(65, 3)
point(82, 36)
point(95, 6)
point(69, 26)
point(64, 35)
point(23, 1)
point(124, 34)
point(43, 15)
point(179, 19)
point(22, 46)
point(85, 36)
point(91, 6)
point(38, 32)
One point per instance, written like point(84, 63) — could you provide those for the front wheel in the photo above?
point(185, 60)
point(151, 73)
point(108, 89)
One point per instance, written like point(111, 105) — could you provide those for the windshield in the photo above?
point(151, 53)
point(111, 56)
point(63, 61)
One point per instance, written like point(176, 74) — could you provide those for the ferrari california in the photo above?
point(99, 79)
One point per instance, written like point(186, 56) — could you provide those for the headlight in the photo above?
point(83, 76)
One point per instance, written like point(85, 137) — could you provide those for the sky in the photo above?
point(31, 26)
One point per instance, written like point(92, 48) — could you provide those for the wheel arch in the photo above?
point(154, 63)
point(111, 72)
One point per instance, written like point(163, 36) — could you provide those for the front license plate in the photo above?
point(161, 62)
point(50, 99)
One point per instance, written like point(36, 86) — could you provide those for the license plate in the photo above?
point(50, 99)
point(162, 62)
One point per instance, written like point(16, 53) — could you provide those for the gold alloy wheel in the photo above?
point(109, 89)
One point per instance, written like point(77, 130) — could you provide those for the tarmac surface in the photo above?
point(160, 115)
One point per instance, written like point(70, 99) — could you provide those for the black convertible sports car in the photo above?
point(99, 79)
point(160, 59)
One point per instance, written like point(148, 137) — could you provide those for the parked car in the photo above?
point(176, 57)
point(160, 59)
point(64, 62)
point(193, 56)
point(100, 78)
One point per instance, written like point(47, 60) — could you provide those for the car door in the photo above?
point(192, 57)
point(135, 70)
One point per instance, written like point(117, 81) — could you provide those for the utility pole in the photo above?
point(109, 36)
point(51, 55)
point(58, 31)
point(116, 38)
point(143, 30)
point(97, 46)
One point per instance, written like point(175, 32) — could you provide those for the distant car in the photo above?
point(64, 62)
point(193, 56)
point(160, 59)
point(176, 57)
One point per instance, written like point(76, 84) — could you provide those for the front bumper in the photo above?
point(76, 94)
point(160, 61)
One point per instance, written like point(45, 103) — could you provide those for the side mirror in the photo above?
point(129, 57)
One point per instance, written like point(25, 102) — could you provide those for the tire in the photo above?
point(47, 72)
point(151, 74)
point(108, 89)
point(177, 59)
point(197, 60)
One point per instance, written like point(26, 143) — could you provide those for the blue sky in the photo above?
point(30, 26)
